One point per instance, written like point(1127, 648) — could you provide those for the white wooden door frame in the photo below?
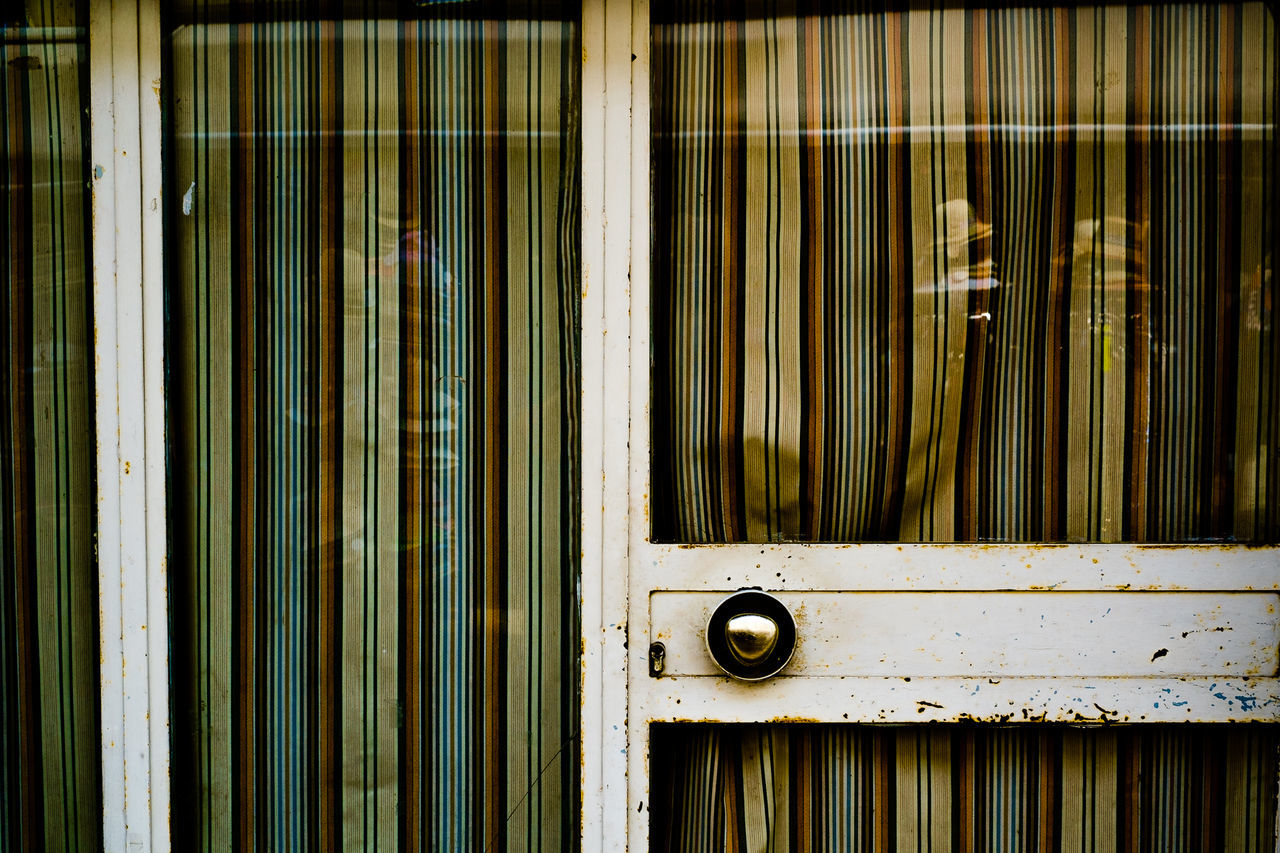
point(128, 322)
point(607, 213)
point(616, 512)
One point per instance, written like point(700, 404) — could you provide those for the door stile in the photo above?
point(591, 585)
point(128, 300)
point(607, 186)
point(639, 709)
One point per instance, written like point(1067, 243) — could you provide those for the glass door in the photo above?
point(952, 329)
point(373, 413)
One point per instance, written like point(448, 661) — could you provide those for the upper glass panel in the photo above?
point(373, 404)
point(957, 275)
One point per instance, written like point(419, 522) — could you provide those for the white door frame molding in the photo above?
point(608, 176)
point(128, 319)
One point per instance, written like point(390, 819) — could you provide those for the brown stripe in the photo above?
point(732, 240)
point(329, 734)
point(1138, 284)
point(414, 548)
point(246, 482)
point(901, 283)
point(813, 227)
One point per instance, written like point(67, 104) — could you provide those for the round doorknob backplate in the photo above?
point(751, 635)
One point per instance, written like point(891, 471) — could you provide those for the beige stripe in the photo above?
point(1076, 805)
point(355, 529)
point(916, 509)
point(1251, 456)
point(1111, 325)
point(784, 325)
point(217, 265)
point(757, 811)
point(907, 791)
point(950, 91)
point(548, 643)
point(1081, 463)
point(755, 435)
point(1106, 797)
point(386, 647)
point(523, 618)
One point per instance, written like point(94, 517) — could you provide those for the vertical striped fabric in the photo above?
point(374, 226)
point(965, 274)
point(795, 789)
point(50, 795)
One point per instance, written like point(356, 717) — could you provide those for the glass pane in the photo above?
point(809, 787)
point(50, 797)
point(373, 238)
point(964, 274)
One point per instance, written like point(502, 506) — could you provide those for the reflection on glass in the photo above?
point(50, 795)
point(373, 226)
point(965, 274)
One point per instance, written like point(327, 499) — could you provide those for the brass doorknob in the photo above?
point(751, 635)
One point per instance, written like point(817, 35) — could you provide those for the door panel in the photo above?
point(957, 279)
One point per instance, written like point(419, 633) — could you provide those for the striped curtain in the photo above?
point(374, 373)
point(50, 796)
point(965, 274)
point(962, 788)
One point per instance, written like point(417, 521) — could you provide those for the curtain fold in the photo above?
point(50, 797)
point(374, 429)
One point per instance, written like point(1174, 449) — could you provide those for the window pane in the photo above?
point(373, 343)
point(50, 796)
point(964, 274)
point(960, 787)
